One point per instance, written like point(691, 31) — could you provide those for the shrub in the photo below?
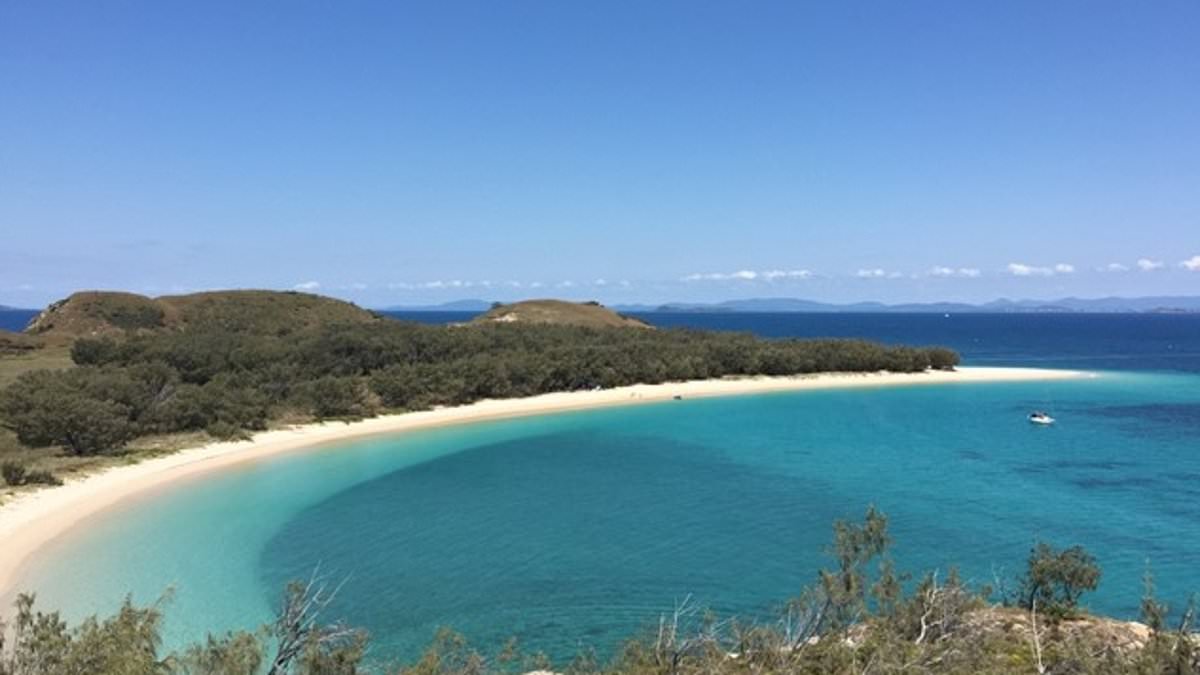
point(18, 474)
point(1055, 580)
point(13, 473)
point(56, 408)
point(335, 397)
point(941, 358)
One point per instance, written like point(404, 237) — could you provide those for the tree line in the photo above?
point(858, 616)
point(231, 382)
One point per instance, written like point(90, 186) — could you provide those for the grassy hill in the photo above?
point(105, 313)
point(559, 313)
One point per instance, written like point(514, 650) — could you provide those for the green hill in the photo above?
point(105, 313)
point(560, 313)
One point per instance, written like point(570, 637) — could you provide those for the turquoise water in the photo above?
point(580, 528)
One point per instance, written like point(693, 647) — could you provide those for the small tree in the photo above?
point(1055, 580)
point(845, 588)
point(941, 358)
point(300, 637)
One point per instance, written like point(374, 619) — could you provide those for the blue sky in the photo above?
point(397, 153)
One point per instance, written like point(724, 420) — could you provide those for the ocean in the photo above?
point(577, 529)
point(15, 320)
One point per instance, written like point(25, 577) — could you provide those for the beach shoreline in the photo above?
point(32, 520)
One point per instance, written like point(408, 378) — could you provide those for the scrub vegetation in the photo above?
point(859, 616)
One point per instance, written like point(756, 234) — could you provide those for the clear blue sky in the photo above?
point(639, 151)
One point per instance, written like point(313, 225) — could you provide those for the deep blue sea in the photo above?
point(575, 529)
point(16, 319)
point(1108, 341)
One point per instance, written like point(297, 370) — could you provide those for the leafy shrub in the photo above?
point(13, 473)
point(336, 397)
point(18, 474)
point(56, 408)
point(941, 358)
point(1055, 580)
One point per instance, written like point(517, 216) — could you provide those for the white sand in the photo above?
point(33, 519)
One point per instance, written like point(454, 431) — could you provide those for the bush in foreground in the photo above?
point(856, 618)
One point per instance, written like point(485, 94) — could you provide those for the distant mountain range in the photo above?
point(456, 306)
point(1143, 305)
point(1153, 304)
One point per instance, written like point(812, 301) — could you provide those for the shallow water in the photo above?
point(582, 527)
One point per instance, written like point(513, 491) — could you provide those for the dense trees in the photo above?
point(232, 381)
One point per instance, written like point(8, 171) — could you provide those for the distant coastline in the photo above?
point(1109, 305)
point(34, 519)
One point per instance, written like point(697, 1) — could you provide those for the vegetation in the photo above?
point(94, 314)
point(558, 312)
point(16, 475)
point(1055, 580)
point(229, 364)
point(857, 617)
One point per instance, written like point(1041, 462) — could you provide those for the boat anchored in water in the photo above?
point(1039, 417)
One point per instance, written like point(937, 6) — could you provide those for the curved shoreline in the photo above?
point(34, 519)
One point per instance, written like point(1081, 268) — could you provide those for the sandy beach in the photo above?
point(31, 520)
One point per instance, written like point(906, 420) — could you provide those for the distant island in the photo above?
point(125, 376)
point(1111, 305)
point(470, 305)
point(100, 371)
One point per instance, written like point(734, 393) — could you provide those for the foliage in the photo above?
point(124, 644)
point(231, 372)
point(16, 474)
point(1055, 580)
point(936, 626)
point(79, 409)
point(845, 588)
point(233, 654)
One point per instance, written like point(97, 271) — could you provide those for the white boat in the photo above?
point(1039, 417)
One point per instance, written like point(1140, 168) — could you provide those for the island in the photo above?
point(115, 393)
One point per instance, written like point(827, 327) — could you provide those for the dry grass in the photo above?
point(11, 366)
point(559, 312)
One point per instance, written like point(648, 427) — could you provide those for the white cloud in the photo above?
point(600, 282)
point(964, 272)
point(1192, 263)
point(871, 274)
point(772, 275)
point(1114, 267)
point(1148, 265)
point(536, 284)
point(566, 284)
point(307, 286)
point(1023, 270)
point(358, 286)
point(427, 285)
point(740, 275)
